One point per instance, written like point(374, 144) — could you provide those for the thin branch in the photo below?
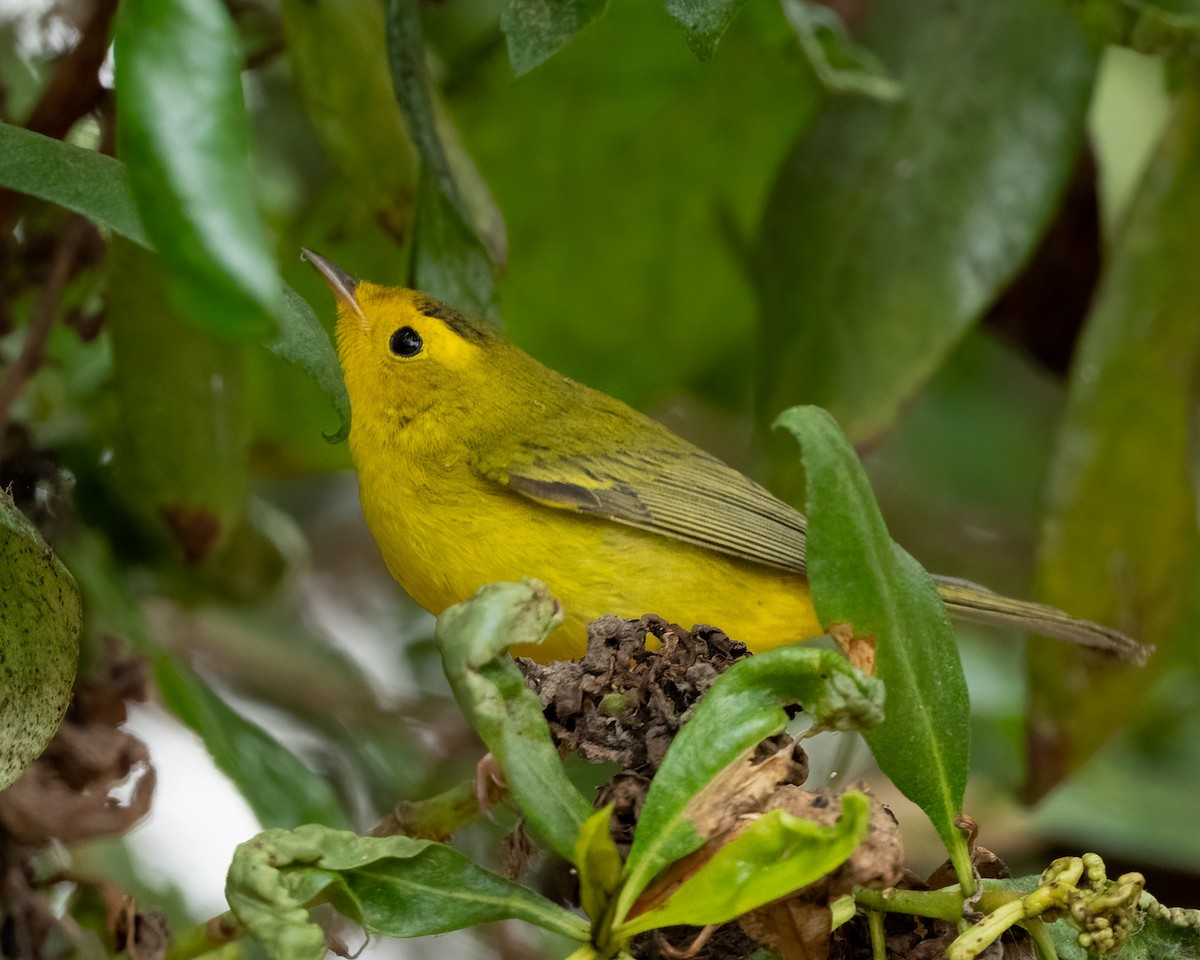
point(33, 352)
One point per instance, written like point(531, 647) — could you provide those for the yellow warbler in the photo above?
point(478, 464)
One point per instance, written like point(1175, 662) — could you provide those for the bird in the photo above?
point(478, 464)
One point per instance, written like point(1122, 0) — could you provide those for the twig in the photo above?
point(34, 349)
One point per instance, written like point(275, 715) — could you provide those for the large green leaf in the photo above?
point(97, 187)
point(339, 62)
point(628, 173)
point(537, 29)
point(1120, 534)
point(892, 226)
point(184, 135)
point(743, 707)
point(860, 576)
point(474, 638)
point(39, 641)
point(87, 182)
point(279, 788)
point(179, 461)
point(395, 886)
point(776, 855)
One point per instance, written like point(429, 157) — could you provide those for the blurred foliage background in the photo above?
point(966, 228)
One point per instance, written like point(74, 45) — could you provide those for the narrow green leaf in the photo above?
point(459, 237)
point(447, 261)
point(40, 617)
point(776, 855)
point(339, 62)
point(840, 64)
point(1120, 533)
point(537, 29)
point(184, 135)
point(860, 576)
point(474, 638)
point(303, 342)
point(743, 707)
point(599, 863)
point(280, 789)
point(97, 187)
point(891, 227)
point(704, 22)
point(395, 886)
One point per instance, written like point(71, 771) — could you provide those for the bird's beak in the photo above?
point(340, 282)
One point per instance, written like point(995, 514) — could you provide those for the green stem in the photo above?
point(436, 818)
point(878, 943)
point(212, 935)
point(1039, 933)
point(944, 904)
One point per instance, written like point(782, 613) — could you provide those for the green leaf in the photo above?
point(84, 181)
point(840, 64)
point(623, 304)
point(40, 617)
point(1167, 28)
point(395, 886)
point(179, 461)
point(339, 62)
point(97, 187)
point(776, 855)
point(447, 260)
point(1120, 531)
point(184, 135)
point(860, 576)
point(891, 227)
point(704, 22)
point(458, 234)
point(537, 29)
point(303, 342)
point(474, 638)
point(280, 789)
point(743, 707)
point(599, 863)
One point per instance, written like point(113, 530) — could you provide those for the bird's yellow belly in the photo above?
point(442, 550)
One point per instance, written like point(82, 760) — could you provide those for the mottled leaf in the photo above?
point(394, 886)
point(860, 576)
point(891, 227)
point(184, 135)
point(474, 638)
point(1120, 534)
point(40, 618)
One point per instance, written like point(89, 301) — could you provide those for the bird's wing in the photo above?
point(682, 493)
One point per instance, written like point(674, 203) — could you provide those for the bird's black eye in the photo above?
point(406, 342)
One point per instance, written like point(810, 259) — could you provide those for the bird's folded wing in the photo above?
point(685, 494)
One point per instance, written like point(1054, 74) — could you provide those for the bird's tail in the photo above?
point(973, 602)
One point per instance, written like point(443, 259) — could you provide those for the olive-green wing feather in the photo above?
point(682, 493)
